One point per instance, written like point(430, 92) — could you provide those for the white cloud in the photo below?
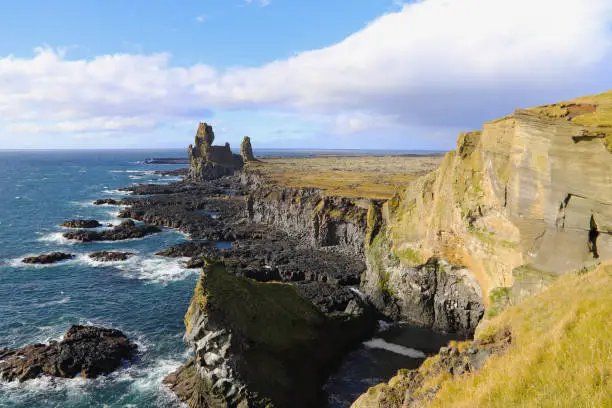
point(201, 18)
point(432, 63)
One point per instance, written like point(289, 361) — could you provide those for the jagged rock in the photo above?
point(125, 230)
point(246, 150)
point(85, 350)
point(110, 256)
point(47, 258)
point(208, 162)
point(176, 172)
point(107, 201)
point(259, 344)
point(81, 224)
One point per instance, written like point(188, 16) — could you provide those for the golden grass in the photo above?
point(561, 354)
point(348, 176)
point(600, 121)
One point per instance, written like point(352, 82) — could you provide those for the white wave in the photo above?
point(155, 269)
point(57, 238)
point(394, 348)
point(150, 268)
point(359, 293)
point(115, 192)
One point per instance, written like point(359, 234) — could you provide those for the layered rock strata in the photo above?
point(524, 200)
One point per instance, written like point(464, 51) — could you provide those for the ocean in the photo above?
point(145, 297)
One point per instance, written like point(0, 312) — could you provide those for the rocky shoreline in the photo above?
point(279, 306)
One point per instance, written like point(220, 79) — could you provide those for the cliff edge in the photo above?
point(517, 204)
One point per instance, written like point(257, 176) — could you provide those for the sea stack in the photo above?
point(208, 162)
point(246, 150)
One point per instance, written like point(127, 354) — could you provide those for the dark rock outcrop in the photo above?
point(260, 344)
point(81, 224)
point(53, 257)
point(107, 201)
point(208, 162)
point(110, 256)
point(246, 150)
point(176, 172)
point(126, 230)
point(85, 350)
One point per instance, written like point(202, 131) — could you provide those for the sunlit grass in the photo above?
point(368, 177)
point(561, 354)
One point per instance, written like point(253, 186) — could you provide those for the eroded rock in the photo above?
point(110, 256)
point(81, 224)
point(246, 150)
point(85, 350)
point(126, 230)
point(53, 257)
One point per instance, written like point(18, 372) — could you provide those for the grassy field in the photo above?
point(561, 354)
point(348, 176)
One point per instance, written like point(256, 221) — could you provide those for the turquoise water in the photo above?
point(146, 297)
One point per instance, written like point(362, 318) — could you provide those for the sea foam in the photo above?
point(394, 348)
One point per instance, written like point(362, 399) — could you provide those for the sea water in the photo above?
point(145, 297)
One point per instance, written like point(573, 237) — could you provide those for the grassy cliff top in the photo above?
point(348, 176)
point(262, 313)
point(593, 111)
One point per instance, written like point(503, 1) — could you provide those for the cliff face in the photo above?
point(319, 220)
point(524, 200)
point(436, 295)
point(208, 162)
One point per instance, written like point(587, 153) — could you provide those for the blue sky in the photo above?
point(329, 74)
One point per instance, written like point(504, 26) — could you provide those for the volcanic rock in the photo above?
point(246, 150)
point(85, 350)
point(125, 230)
point(110, 256)
point(81, 224)
point(53, 257)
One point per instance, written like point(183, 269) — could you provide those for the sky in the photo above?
point(375, 74)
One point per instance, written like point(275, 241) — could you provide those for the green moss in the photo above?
point(410, 257)
point(263, 313)
point(488, 238)
point(499, 299)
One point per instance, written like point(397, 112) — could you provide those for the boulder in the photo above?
point(81, 224)
point(107, 201)
point(53, 257)
point(85, 350)
point(125, 230)
point(110, 256)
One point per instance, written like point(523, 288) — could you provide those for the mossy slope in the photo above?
point(560, 356)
